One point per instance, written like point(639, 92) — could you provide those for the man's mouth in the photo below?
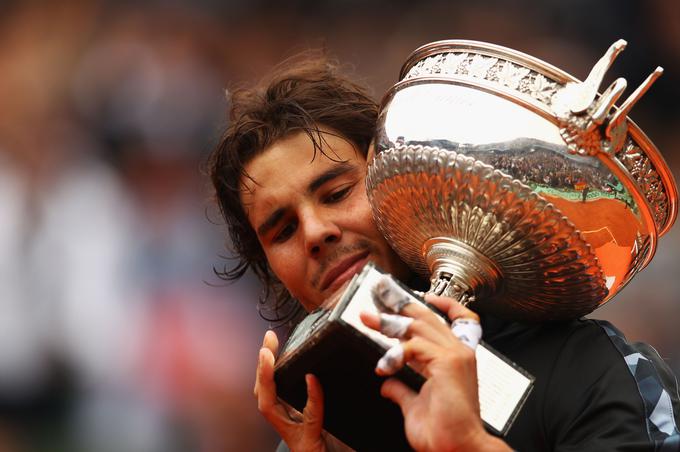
point(344, 270)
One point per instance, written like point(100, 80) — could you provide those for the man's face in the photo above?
point(312, 216)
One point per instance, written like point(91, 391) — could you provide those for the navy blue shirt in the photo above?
point(593, 391)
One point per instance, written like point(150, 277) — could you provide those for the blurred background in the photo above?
point(115, 335)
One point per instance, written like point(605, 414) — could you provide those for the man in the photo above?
point(289, 179)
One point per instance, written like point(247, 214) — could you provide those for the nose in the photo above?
point(320, 230)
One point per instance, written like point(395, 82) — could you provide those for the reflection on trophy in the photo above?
point(514, 187)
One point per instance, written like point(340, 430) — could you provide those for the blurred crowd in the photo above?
point(115, 334)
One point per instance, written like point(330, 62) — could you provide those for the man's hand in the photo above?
point(301, 432)
point(444, 414)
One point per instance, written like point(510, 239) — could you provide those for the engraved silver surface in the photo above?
point(506, 70)
point(512, 185)
point(537, 257)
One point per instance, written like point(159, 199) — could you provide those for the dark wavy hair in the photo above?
point(302, 94)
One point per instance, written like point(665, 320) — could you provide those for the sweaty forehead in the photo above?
point(288, 166)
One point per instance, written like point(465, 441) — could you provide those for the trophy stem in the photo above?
point(459, 271)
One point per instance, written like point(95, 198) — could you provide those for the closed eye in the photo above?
point(285, 232)
point(338, 195)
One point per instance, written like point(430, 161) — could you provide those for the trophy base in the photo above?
point(335, 346)
point(354, 412)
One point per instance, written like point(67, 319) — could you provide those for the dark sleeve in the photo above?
point(608, 395)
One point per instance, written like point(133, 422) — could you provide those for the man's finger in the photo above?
point(451, 307)
point(267, 402)
point(312, 414)
point(394, 325)
point(391, 361)
point(370, 320)
point(416, 351)
point(265, 388)
point(257, 375)
point(271, 342)
point(398, 392)
point(405, 329)
point(468, 331)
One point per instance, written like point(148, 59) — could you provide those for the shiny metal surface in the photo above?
point(512, 185)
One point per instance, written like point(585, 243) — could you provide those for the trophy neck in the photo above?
point(459, 271)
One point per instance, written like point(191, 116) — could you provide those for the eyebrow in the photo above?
point(313, 186)
point(337, 170)
point(271, 221)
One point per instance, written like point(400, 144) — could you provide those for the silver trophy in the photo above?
point(514, 187)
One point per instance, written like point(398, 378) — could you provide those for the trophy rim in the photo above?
point(483, 48)
point(635, 135)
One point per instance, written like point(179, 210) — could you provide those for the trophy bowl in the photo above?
point(514, 187)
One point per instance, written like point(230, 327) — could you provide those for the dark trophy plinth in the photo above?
point(333, 344)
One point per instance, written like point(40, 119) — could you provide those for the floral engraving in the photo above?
point(511, 75)
point(452, 61)
point(479, 66)
point(643, 172)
